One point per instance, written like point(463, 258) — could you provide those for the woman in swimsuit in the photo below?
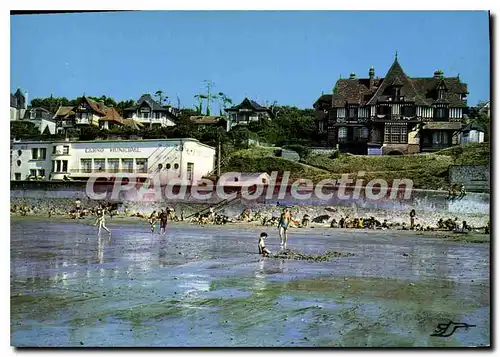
point(284, 221)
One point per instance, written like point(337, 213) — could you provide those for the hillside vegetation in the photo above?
point(428, 171)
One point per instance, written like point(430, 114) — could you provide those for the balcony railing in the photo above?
point(109, 171)
point(352, 140)
point(82, 120)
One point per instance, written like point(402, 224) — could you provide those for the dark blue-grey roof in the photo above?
point(39, 113)
point(146, 98)
point(248, 104)
point(473, 126)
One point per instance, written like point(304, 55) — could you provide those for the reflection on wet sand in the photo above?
point(141, 289)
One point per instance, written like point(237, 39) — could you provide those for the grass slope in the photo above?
point(429, 171)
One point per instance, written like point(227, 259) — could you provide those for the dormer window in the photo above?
point(353, 113)
point(441, 92)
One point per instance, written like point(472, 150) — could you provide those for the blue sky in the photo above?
point(288, 57)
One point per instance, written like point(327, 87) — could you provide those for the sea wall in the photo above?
point(473, 177)
point(422, 200)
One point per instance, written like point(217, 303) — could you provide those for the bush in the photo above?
point(303, 151)
point(335, 155)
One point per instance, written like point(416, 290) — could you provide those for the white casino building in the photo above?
point(184, 159)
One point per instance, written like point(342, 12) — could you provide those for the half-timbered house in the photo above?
point(396, 114)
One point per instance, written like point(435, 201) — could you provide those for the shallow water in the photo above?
point(206, 286)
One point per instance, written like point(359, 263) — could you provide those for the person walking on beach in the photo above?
point(163, 221)
point(412, 219)
point(152, 221)
point(101, 220)
point(283, 224)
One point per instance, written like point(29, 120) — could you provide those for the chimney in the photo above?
point(371, 74)
point(352, 75)
point(438, 74)
point(26, 100)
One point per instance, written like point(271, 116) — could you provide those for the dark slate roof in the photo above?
point(13, 101)
point(325, 99)
point(443, 125)
point(454, 88)
point(146, 98)
point(248, 104)
point(40, 113)
point(398, 76)
point(423, 91)
point(473, 126)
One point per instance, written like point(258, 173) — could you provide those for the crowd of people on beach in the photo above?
point(283, 220)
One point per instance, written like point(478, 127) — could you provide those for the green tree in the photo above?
point(51, 103)
point(162, 98)
point(479, 115)
point(23, 130)
point(122, 105)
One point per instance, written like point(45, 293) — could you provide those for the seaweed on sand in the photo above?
point(327, 256)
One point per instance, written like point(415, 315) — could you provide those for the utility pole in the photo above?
point(209, 98)
point(218, 153)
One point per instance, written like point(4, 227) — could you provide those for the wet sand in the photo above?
point(207, 286)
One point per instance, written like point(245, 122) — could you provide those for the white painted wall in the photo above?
point(473, 136)
point(164, 121)
point(166, 152)
point(22, 161)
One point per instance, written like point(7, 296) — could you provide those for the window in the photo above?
point(34, 154)
point(41, 172)
point(396, 134)
point(176, 166)
point(441, 93)
point(32, 114)
point(86, 165)
point(353, 113)
point(361, 133)
point(18, 162)
point(168, 166)
point(43, 153)
point(140, 165)
point(158, 115)
point(190, 171)
point(65, 150)
point(440, 138)
point(397, 91)
point(113, 165)
point(145, 115)
point(33, 172)
point(19, 152)
point(408, 110)
point(54, 149)
point(321, 126)
point(99, 165)
point(17, 176)
point(383, 109)
point(440, 112)
point(127, 165)
point(64, 165)
point(342, 132)
point(160, 166)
